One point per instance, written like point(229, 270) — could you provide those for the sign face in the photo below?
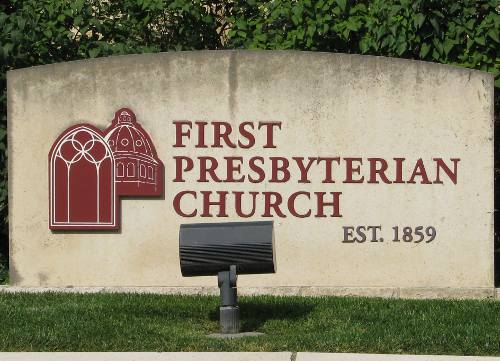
point(89, 170)
point(377, 172)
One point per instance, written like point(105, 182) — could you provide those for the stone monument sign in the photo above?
point(377, 172)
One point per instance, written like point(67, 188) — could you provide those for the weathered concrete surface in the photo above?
point(405, 293)
point(312, 356)
point(329, 105)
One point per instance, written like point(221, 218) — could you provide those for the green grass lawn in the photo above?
point(132, 322)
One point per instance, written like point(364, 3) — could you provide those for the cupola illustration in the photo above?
point(138, 169)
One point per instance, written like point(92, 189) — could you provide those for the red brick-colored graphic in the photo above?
point(139, 172)
point(89, 170)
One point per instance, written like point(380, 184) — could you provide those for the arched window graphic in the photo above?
point(131, 170)
point(119, 170)
point(82, 181)
point(143, 171)
point(150, 172)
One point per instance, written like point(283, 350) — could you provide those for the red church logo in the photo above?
point(90, 169)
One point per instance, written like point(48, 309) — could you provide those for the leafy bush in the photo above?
point(4, 272)
point(34, 32)
point(464, 33)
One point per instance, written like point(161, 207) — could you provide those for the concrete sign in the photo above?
point(377, 172)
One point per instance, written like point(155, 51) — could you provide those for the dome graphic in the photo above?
point(138, 169)
point(90, 169)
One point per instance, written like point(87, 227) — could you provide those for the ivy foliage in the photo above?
point(464, 33)
point(33, 32)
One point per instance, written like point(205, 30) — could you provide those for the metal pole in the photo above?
point(229, 311)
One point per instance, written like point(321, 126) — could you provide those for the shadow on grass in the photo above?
point(254, 313)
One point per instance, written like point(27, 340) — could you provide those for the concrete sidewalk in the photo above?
point(312, 356)
point(228, 356)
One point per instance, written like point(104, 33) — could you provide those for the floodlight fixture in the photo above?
point(227, 250)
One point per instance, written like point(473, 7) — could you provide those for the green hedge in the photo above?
point(34, 32)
